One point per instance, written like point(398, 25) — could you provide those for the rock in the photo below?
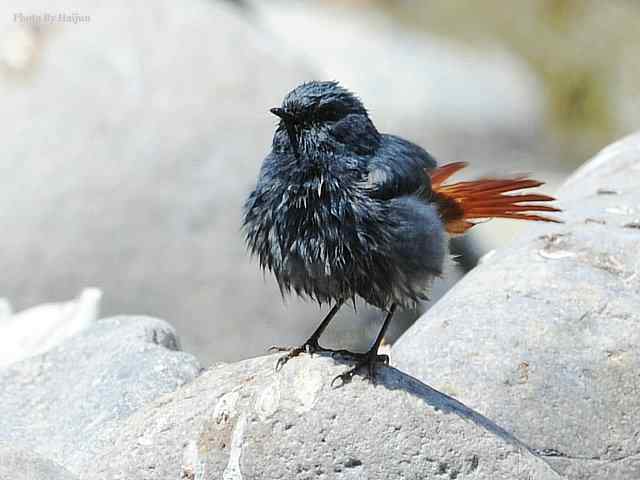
point(20, 465)
point(543, 336)
point(57, 404)
point(245, 420)
point(612, 172)
point(38, 329)
point(5, 309)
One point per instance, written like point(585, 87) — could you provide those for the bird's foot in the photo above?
point(366, 363)
point(311, 346)
point(347, 354)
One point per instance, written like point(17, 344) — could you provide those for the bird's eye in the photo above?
point(328, 113)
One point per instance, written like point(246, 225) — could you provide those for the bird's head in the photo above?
point(319, 118)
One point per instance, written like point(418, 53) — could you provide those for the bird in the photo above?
point(341, 211)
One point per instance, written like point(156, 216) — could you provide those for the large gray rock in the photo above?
point(20, 465)
point(247, 421)
point(129, 145)
point(58, 403)
point(543, 337)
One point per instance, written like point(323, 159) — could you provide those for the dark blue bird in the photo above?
point(341, 210)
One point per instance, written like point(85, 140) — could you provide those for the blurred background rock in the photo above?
point(130, 140)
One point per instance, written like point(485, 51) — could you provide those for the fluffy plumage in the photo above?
point(347, 214)
point(341, 210)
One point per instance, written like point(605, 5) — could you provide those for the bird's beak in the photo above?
point(282, 113)
point(289, 123)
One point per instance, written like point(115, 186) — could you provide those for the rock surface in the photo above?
point(57, 404)
point(543, 338)
point(21, 465)
point(5, 309)
point(38, 329)
point(247, 421)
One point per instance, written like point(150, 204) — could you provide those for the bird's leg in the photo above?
point(311, 345)
point(370, 359)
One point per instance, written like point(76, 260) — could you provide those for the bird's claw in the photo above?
point(346, 353)
point(292, 353)
point(368, 361)
point(276, 348)
point(310, 347)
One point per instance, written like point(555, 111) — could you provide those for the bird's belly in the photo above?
point(319, 267)
point(387, 256)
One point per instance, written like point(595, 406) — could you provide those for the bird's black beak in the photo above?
point(289, 123)
point(277, 111)
point(282, 113)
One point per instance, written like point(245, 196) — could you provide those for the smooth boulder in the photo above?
point(247, 420)
point(543, 336)
point(20, 465)
point(59, 403)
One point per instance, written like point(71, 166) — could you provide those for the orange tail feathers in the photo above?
point(458, 203)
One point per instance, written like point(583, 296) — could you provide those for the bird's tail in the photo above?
point(459, 203)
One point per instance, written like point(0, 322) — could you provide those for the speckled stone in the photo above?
point(57, 404)
point(247, 421)
point(21, 465)
point(543, 336)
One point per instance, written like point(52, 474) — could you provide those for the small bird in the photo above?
point(341, 211)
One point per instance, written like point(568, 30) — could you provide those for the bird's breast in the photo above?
point(317, 237)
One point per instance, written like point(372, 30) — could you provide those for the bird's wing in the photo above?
point(398, 168)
